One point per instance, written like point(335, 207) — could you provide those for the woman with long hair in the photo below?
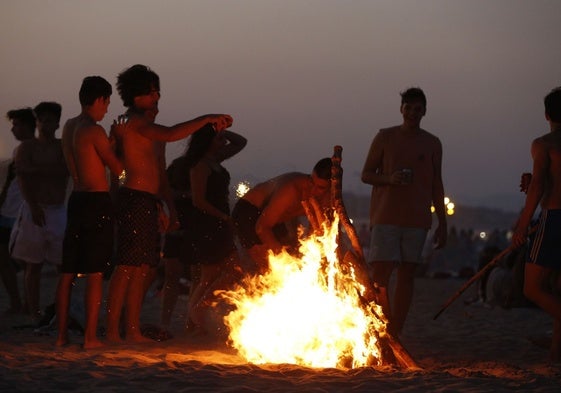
point(208, 230)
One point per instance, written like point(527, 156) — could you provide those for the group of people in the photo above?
point(187, 205)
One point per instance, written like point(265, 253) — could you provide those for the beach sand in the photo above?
point(467, 349)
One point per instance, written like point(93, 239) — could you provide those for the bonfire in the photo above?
point(316, 308)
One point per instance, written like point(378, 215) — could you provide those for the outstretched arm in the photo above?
point(179, 131)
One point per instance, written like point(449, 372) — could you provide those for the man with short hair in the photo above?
point(263, 215)
point(404, 167)
point(139, 199)
point(23, 128)
point(88, 241)
point(43, 177)
point(544, 257)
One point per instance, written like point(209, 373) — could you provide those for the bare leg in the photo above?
point(381, 273)
point(33, 289)
point(9, 278)
point(259, 255)
point(209, 274)
point(92, 300)
point(134, 300)
point(537, 289)
point(118, 289)
point(173, 270)
point(403, 294)
point(63, 294)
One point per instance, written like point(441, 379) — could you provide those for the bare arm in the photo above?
point(441, 232)
point(281, 201)
point(535, 191)
point(179, 131)
point(236, 143)
point(372, 170)
point(105, 151)
point(25, 179)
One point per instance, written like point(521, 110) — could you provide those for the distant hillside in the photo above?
point(466, 217)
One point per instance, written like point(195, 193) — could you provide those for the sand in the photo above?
point(467, 349)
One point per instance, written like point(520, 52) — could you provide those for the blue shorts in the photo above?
point(391, 243)
point(545, 245)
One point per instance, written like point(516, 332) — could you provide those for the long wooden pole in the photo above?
point(479, 274)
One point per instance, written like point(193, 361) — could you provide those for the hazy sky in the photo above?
point(300, 76)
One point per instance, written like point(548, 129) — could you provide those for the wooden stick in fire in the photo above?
point(337, 202)
point(314, 224)
point(399, 352)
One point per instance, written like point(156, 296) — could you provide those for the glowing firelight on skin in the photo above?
point(242, 188)
point(306, 311)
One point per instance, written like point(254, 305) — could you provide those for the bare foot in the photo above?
point(114, 338)
point(61, 341)
point(137, 339)
point(92, 344)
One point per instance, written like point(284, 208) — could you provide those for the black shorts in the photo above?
point(176, 246)
point(88, 239)
point(138, 236)
point(245, 216)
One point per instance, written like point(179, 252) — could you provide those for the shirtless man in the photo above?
point(43, 177)
point(404, 167)
point(262, 214)
point(88, 241)
point(23, 128)
point(544, 189)
point(138, 238)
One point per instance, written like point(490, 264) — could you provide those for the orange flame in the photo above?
point(306, 311)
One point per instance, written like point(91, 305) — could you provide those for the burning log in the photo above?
point(357, 261)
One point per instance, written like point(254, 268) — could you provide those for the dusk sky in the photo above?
point(300, 76)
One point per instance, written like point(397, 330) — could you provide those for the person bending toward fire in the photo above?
point(264, 217)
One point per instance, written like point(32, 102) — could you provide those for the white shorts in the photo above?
point(34, 244)
point(396, 244)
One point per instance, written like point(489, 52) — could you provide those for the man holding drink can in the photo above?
point(404, 167)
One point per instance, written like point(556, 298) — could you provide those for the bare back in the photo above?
point(87, 151)
point(42, 171)
point(548, 156)
point(281, 196)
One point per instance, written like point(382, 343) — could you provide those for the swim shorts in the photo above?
point(138, 236)
point(88, 240)
point(34, 244)
point(394, 243)
point(545, 244)
point(245, 216)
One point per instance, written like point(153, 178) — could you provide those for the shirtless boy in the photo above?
point(544, 189)
point(261, 215)
point(138, 238)
point(88, 241)
point(43, 177)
